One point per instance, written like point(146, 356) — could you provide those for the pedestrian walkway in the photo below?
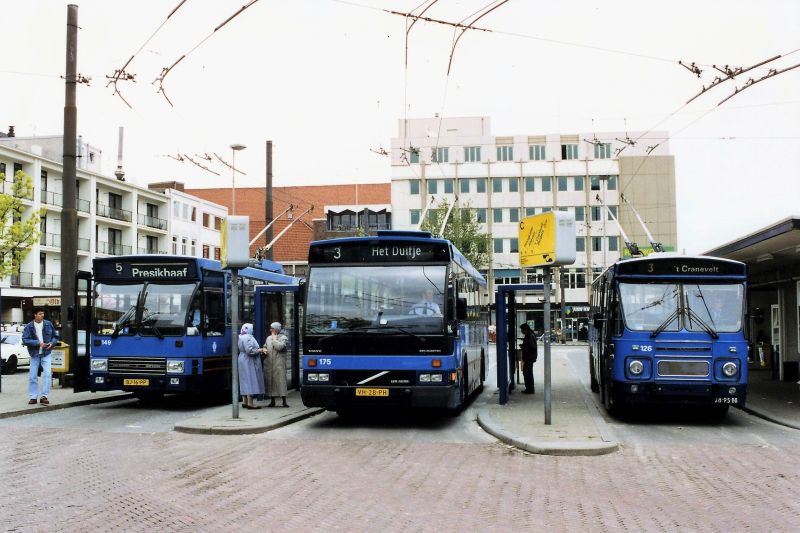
point(576, 426)
point(776, 401)
point(14, 396)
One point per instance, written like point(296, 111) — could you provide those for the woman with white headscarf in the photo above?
point(277, 350)
point(251, 376)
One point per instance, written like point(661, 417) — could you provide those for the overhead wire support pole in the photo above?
point(263, 231)
point(632, 247)
point(657, 247)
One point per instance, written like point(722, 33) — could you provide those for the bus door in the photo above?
point(82, 325)
point(281, 303)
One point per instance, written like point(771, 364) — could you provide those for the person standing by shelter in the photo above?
point(39, 336)
point(251, 376)
point(277, 350)
point(529, 356)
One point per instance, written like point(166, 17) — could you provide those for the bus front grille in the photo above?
point(372, 378)
point(683, 368)
point(137, 365)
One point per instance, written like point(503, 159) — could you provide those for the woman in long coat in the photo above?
point(277, 350)
point(251, 375)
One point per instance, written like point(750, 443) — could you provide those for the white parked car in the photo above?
point(13, 353)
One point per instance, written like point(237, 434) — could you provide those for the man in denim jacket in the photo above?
point(39, 336)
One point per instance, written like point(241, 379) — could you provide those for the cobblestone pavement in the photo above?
point(71, 480)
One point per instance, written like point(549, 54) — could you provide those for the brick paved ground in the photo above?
point(96, 481)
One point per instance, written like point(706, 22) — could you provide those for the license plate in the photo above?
point(372, 392)
point(136, 382)
point(726, 400)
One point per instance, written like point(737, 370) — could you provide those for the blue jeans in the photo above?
point(33, 375)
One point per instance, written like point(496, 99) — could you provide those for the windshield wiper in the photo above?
point(691, 314)
point(150, 320)
point(124, 320)
point(675, 314)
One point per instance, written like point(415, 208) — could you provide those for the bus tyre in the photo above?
point(593, 383)
point(462, 393)
point(483, 372)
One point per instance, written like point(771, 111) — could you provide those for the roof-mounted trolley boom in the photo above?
point(424, 214)
point(657, 246)
point(632, 247)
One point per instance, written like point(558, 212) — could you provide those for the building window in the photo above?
point(529, 184)
point(472, 154)
point(580, 214)
point(536, 152)
point(562, 183)
point(193, 249)
point(464, 185)
point(594, 182)
point(194, 215)
point(206, 251)
point(413, 186)
point(513, 214)
point(174, 246)
point(579, 181)
point(183, 246)
point(595, 213)
point(481, 185)
point(514, 246)
point(448, 186)
point(613, 244)
point(530, 211)
point(497, 215)
point(580, 244)
point(414, 216)
point(602, 151)
point(547, 184)
point(497, 184)
point(217, 223)
point(611, 183)
point(176, 210)
point(433, 186)
point(480, 215)
point(3, 170)
point(413, 155)
point(498, 246)
point(513, 185)
point(505, 153)
point(205, 220)
point(547, 209)
point(569, 151)
point(612, 209)
point(597, 244)
point(217, 253)
point(440, 155)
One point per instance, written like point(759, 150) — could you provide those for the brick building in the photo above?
point(339, 210)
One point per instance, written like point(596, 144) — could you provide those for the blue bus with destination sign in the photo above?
point(668, 328)
point(161, 324)
point(396, 319)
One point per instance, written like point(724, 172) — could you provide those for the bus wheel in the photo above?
point(483, 371)
point(593, 383)
point(462, 393)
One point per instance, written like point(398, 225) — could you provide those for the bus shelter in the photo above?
point(507, 332)
point(281, 303)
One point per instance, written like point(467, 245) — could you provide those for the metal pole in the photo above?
point(235, 341)
point(69, 213)
point(547, 363)
point(233, 181)
point(268, 207)
point(563, 305)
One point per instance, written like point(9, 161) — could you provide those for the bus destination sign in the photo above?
point(379, 252)
point(683, 267)
point(150, 270)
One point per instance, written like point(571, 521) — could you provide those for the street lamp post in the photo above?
point(234, 148)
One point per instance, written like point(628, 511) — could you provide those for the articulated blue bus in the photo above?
point(669, 329)
point(392, 320)
point(161, 324)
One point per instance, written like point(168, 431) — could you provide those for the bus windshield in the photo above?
point(650, 306)
point(396, 298)
point(706, 307)
point(164, 308)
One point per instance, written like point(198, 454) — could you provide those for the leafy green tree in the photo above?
point(17, 236)
point(463, 230)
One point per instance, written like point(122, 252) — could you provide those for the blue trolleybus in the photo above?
point(161, 324)
point(392, 320)
point(669, 329)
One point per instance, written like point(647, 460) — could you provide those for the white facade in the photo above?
point(114, 218)
point(511, 177)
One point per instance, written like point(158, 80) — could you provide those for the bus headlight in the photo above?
point(436, 378)
point(730, 369)
point(424, 378)
point(312, 377)
point(324, 377)
point(174, 366)
point(100, 365)
point(635, 367)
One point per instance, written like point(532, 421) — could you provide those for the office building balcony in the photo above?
point(151, 251)
point(104, 210)
point(52, 198)
point(50, 239)
point(113, 248)
point(152, 222)
point(22, 279)
point(83, 245)
point(50, 281)
point(83, 205)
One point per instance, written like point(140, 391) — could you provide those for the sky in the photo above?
point(327, 81)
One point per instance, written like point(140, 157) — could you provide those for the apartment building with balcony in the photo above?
point(506, 178)
point(115, 218)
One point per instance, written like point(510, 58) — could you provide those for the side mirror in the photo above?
point(461, 308)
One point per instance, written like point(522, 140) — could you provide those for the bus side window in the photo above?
point(215, 312)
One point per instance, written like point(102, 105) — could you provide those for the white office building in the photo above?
point(507, 178)
point(115, 218)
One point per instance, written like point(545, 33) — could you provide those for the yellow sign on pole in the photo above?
point(547, 239)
